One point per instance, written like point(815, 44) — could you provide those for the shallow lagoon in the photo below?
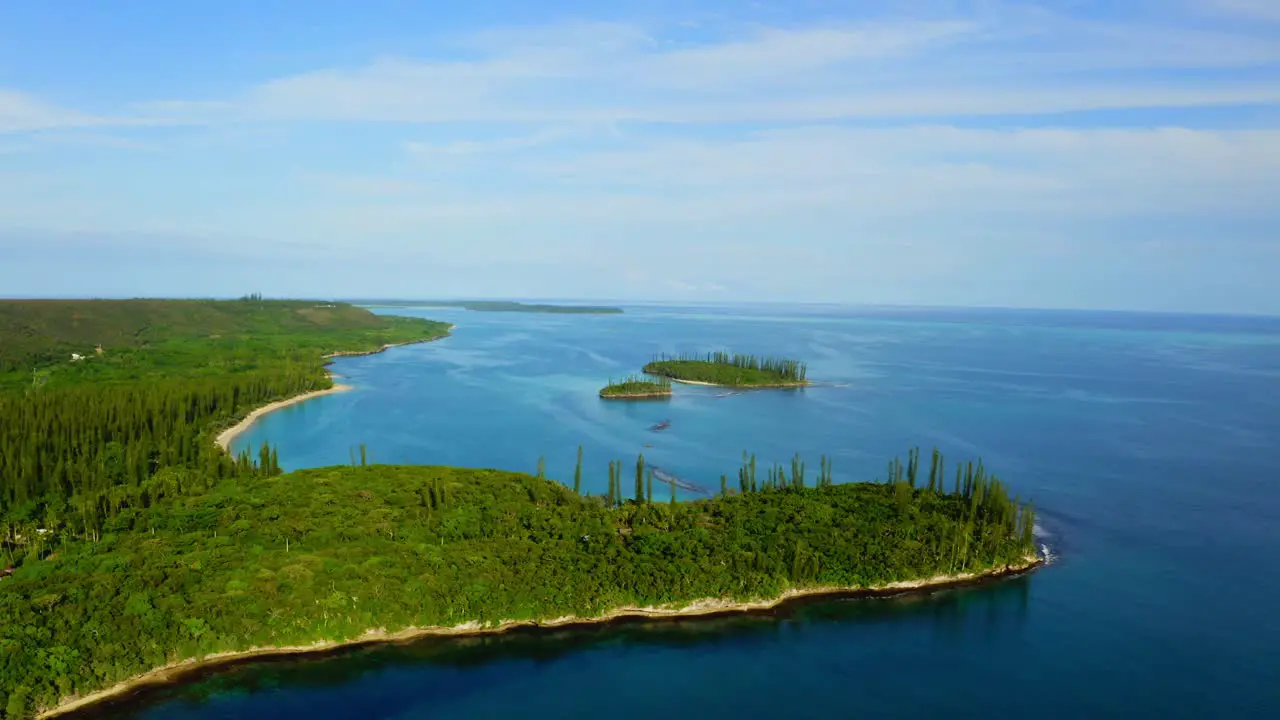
point(1148, 442)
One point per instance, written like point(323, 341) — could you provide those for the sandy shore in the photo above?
point(358, 353)
point(699, 608)
point(741, 387)
point(226, 437)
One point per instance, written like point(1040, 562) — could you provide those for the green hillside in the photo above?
point(169, 338)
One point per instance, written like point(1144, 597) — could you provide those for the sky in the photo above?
point(1118, 154)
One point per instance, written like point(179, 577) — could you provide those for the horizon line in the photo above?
point(595, 302)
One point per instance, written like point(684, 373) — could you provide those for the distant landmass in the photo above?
point(500, 306)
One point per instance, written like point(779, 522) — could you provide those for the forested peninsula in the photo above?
point(131, 542)
point(730, 370)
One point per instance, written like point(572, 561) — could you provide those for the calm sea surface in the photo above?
point(1148, 442)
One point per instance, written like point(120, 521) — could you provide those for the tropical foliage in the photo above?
point(722, 368)
point(166, 339)
point(327, 554)
point(637, 386)
point(93, 434)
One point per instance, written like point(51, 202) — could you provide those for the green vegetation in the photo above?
point(733, 370)
point(327, 554)
point(155, 339)
point(637, 387)
point(92, 431)
point(502, 306)
point(128, 540)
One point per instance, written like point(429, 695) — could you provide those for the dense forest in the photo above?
point(736, 370)
point(269, 560)
point(83, 433)
point(637, 386)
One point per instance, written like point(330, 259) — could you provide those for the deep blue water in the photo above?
point(1148, 443)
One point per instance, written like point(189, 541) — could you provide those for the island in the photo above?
point(637, 387)
point(500, 306)
point(134, 548)
point(729, 370)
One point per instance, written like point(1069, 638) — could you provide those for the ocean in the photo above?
point(1147, 442)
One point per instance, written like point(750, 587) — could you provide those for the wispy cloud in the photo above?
point(1009, 59)
point(900, 171)
point(20, 112)
point(944, 135)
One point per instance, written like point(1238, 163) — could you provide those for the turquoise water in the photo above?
point(1148, 442)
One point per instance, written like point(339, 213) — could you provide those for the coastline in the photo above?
point(388, 346)
point(741, 387)
point(702, 608)
point(228, 436)
point(636, 396)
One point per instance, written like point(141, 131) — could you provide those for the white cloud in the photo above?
point(717, 154)
point(499, 145)
point(1001, 59)
point(20, 112)
point(775, 56)
point(908, 170)
point(1012, 60)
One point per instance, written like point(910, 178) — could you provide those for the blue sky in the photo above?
point(1066, 153)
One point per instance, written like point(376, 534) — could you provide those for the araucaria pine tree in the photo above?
point(640, 478)
point(613, 489)
point(577, 474)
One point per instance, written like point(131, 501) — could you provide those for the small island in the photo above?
point(730, 370)
point(637, 387)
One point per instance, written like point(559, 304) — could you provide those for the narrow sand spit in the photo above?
point(742, 387)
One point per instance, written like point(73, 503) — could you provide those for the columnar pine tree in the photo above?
point(613, 493)
point(640, 479)
point(577, 474)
